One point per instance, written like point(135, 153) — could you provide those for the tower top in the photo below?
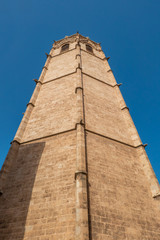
point(76, 38)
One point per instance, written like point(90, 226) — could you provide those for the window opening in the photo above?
point(65, 47)
point(89, 48)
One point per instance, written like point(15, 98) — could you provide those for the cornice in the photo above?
point(78, 38)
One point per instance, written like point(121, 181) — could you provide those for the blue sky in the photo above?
point(129, 32)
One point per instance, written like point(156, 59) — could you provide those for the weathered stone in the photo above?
point(77, 169)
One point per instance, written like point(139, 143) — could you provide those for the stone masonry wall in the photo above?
point(77, 169)
point(55, 109)
point(61, 65)
point(38, 202)
point(122, 206)
point(103, 112)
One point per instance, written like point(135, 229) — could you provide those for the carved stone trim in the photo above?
point(30, 104)
point(79, 172)
point(125, 108)
point(14, 140)
point(115, 140)
point(142, 145)
point(48, 55)
point(118, 85)
point(37, 81)
point(73, 38)
point(45, 68)
point(78, 88)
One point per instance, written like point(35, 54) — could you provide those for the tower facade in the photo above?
point(77, 169)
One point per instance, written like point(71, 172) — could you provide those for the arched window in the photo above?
point(89, 48)
point(65, 47)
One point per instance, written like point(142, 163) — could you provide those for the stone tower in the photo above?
point(77, 169)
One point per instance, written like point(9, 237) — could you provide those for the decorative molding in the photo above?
point(60, 77)
point(63, 52)
point(125, 108)
point(30, 104)
point(77, 55)
point(73, 38)
point(14, 140)
point(157, 196)
point(79, 66)
point(48, 55)
point(54, 79)
point(98, 79)
point(45, 68)
point(81, 123)
point(115, 140)
point(92, 54)
point(79, 172)
point(87, 130)
point(75, 49)
point(142, 145)
point(118, 85)
point(47, 136)
point(37, 81)
point(106, 58)
point(78, 88)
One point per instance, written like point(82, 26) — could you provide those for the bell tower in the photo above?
point(76, 168)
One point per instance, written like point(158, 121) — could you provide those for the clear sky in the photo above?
point(129, 32)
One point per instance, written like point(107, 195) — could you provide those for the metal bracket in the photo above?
point(79, 172)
